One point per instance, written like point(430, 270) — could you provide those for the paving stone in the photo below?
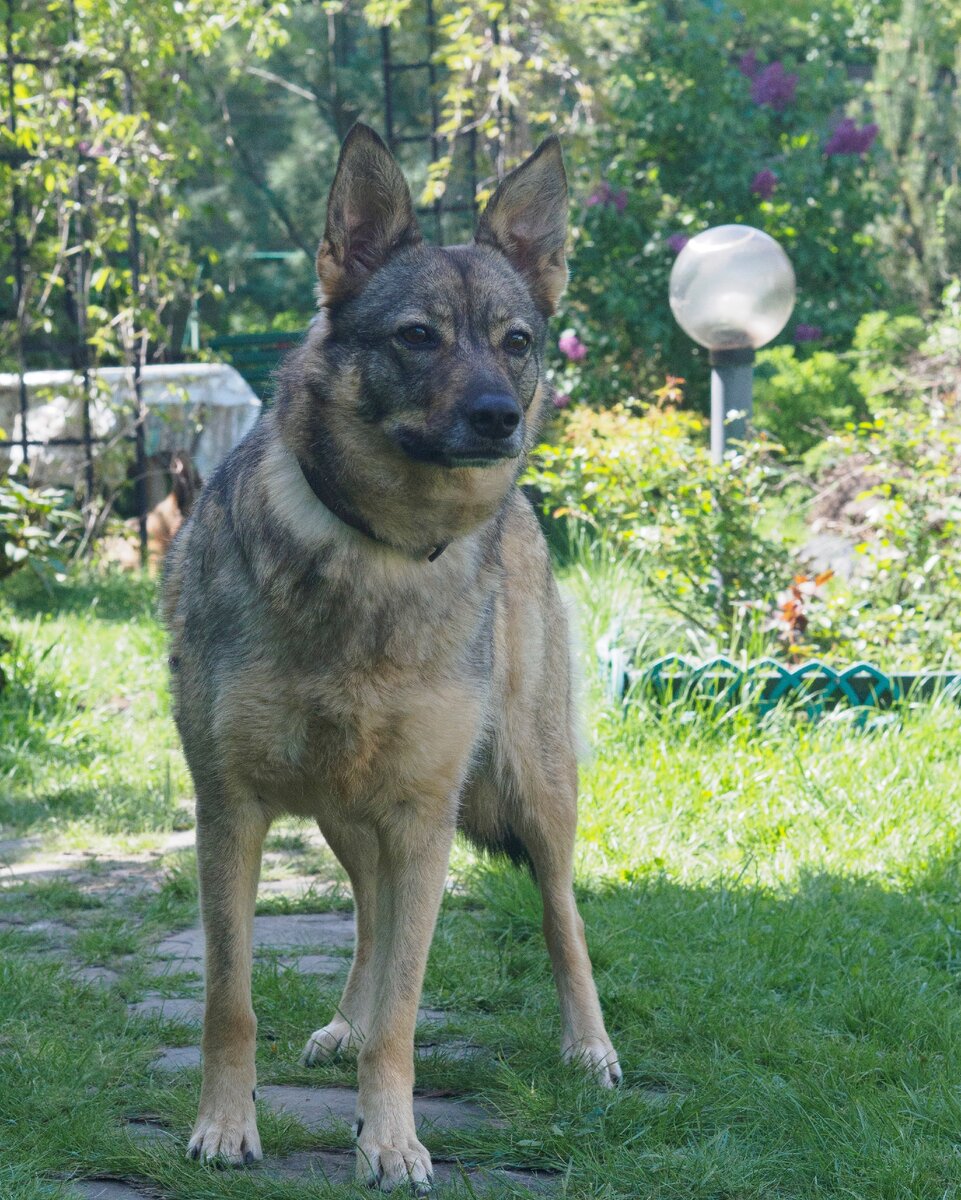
point(160, 968)
point(315, 1108)
point(100, 975)
point(176, 1058)
point(105, 1190)
point(316, 964)
point(147, 1131)
point(170, 1008)
point(432, 1016)
point(270, 933)
point(455, 1050)
point(338, 1168)
point(56, 933)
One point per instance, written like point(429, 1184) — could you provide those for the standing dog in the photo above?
point(366, 631)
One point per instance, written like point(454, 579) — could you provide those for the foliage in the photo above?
point(917, 103)
point(667, 163)
point(882, 349)
point(35, 526)
point(798, 400)
point(644, 482)
point(101, 136)
point(901, 472)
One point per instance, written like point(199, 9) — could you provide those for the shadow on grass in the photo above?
point(108, 594)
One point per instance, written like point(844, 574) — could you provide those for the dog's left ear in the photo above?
point(526, 219)
point(370, 215)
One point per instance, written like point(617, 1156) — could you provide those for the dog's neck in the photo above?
point(323, 489)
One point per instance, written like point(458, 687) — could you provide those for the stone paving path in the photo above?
point(315, 944)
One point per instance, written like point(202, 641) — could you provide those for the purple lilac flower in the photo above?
point(606, 195)
point(571, 346)
point(808, 333)
point(774, 87)
point(764, 184)
point(561, 399)
point(847, 138)
point(748, 65)
point(677, 242)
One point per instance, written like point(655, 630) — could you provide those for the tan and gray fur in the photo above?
point(339, 668)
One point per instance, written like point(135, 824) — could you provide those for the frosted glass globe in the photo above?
point(732, 288)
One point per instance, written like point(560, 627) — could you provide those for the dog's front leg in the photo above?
point(414, 853)
point(230, 838)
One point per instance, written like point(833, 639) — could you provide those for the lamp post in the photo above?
point(732, 290)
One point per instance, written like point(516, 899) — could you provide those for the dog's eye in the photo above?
point(415, 335)
point(518, 341)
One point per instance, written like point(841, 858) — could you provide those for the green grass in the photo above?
point(772, 909)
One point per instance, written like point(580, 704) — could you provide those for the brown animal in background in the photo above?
point(365, 630)
point(163, 520)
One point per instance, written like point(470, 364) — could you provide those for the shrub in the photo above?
point(34, 526)
point(890, 485)
point(800, 400)
point(645, 483)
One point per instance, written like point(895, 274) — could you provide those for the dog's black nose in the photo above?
point(494, 415)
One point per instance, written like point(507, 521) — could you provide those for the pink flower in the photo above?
point(763, 184)
point(605, 194)
point(808, 333)
point(571, 346)
point(847, 138)
point(677, 242)
point(561, 399)
point(774, 87)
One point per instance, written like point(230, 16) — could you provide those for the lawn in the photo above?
point(772, 910)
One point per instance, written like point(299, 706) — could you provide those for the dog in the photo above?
point(163, 520)
point(365, 631)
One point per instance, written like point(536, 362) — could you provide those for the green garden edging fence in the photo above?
point(813, 686)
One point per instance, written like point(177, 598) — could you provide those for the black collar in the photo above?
point(320, 486)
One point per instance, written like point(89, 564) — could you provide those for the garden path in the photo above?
point(311, 944)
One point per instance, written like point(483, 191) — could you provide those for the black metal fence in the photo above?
point(255, 356)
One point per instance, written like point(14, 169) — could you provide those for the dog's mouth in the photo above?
point(466, 452)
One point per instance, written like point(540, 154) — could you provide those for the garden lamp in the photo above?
point(732, 291)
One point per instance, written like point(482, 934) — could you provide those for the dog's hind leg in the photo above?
point(546, 823)
point(230, 836)
point(356, 848)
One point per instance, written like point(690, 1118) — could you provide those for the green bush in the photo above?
point(35, 526)
point(891, 486)
point(882, 349)
point(799, 401)
point(644, 483)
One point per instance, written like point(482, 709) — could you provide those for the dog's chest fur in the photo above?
point(325, 669)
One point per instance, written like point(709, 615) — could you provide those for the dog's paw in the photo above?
point(228, 1137)
point(597, 1056)
point(393, 1161)
point(336, 1038)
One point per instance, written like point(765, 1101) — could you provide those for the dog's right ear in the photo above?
point(370, 215)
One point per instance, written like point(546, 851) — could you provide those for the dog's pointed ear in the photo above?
point(370, 215)
point(526, 219)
